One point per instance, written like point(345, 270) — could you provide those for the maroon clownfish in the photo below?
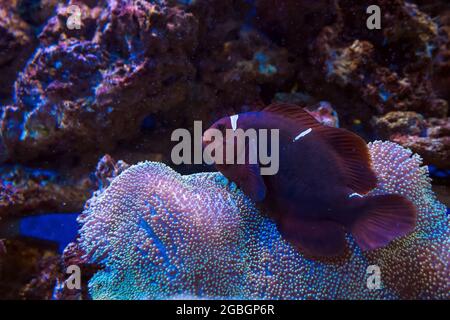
point(318, 193)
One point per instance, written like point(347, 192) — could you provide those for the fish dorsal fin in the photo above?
point(293, 112)
point(354, 158)
point(352, 150)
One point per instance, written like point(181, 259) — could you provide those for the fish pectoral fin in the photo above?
point(315, 238)
point(248, 178)
point(252, 182)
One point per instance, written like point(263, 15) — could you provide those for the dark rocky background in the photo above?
point(136, 70)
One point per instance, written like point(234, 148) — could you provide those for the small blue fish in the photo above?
point(59, 228)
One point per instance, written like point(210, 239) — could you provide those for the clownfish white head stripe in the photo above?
point(234, 120)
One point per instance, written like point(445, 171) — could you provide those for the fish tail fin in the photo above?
point(384, 218)
point(59, 228)
point(9, 228)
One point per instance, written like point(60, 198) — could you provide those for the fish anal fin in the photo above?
point(354, 158)
point(385, 218)
point(315, 238)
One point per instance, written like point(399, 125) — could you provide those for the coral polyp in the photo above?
point(162, 235)
point(425, 252)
